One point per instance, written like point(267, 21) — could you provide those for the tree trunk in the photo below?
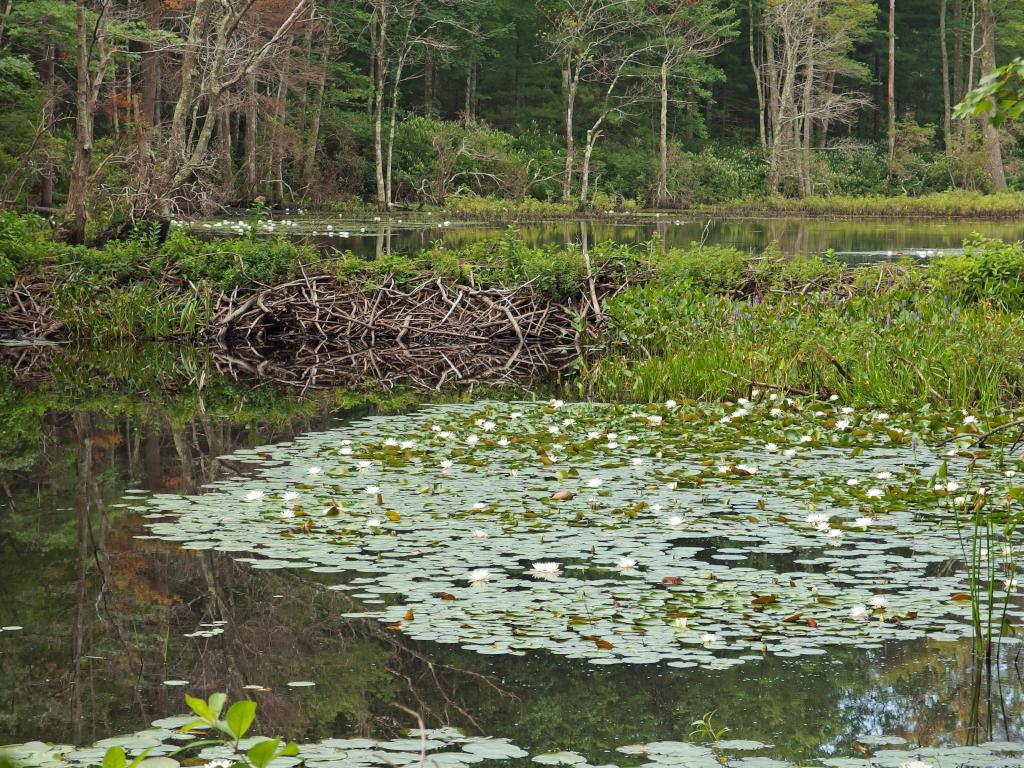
point(380, 31)
point(758, 78)
point(588, 149)
point(429, 74)
point(50, 88)
point(224, 152)
point(279, 127)
point(251, 110)
point(393, 117)
point(570, 82)
point(469, 112)
point(891, 82)
point(313, 132)
point(661, 198)
point(150, 66)
point(993, 150)
point(86, 90)
point(947, 122)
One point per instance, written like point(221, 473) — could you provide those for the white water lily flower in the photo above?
point(842, 424)
point(772, 448)
point(960, 501)
point(447, 463)
point(915, 764)
point(789, 453)
point(853, 481)
point(775, 412)
point(503, 442)
point(435, 427)
point(612, 445)
point(557, 403)
point(220, 763)
point(875, 493)
point(391, 442)
point(822, 527)
point(1010, 584)
point(709, 639)
point(773, 397)
point(654, 419)
point(878, 601)
point(847, 410)
point(290, 496)
point(364, 464)
point(680, 622)
point(636, 461)
point(723, 469)
point(670, 403)
point(672, 485)
point(568, 422)
point(982, 491)
point(626, 564)
point(858, 612)
point(314, 470)
point(675, 521)
point(479, 533)
point(884, 475)
point(1009, 473)
point(287, 513)
point(371, 490)
point(554, 429)
point(970, 419)
point(863, 522)
point(345, 450)
point(834, 535)
point(373, 522)
point(593, 435)
point(406, 444)
point(479, 576)
point(472, 440)
point(594, 482)
point(815, 518)
point(488, 426)
point(806, 439)
point(479, 506)
point(546, 569)
point(254, 496)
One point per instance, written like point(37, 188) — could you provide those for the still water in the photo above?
point(854, 239)
point(105, 619)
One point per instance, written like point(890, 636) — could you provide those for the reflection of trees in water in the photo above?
point(105, 615)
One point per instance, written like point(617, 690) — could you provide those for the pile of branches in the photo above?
point(323, 307)
point(319, 365)
point(28, 314)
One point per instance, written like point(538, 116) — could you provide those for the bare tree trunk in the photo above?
point(958, 51)
point(661, 198)
point(988, 64)
point(393, 118)
point(570, 82)
point(429, 83)
point(588, 149)
point(86, 92)
point(50, 88)
point(758, 79)
point(313, 131)
point(251, 110)
point(277, 185)
point(947, 122)
point(150, 66)
point(224, 151)
point(378, 112)
point(891, 82)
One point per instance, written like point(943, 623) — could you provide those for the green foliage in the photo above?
point(235, 261)
point(715, 175)
point(999, 95)
point(988, 270)
point(709, 268)
point(23, 243)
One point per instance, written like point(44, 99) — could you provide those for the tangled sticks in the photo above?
point(322, 307)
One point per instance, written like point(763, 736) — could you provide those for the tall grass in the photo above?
point(953, 204)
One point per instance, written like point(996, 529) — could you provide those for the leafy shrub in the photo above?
point(716, 175)
point(235, 261)
point(23, 243)
point(988, 270)
point(713, 269)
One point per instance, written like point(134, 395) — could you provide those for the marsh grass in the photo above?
point(951, 204)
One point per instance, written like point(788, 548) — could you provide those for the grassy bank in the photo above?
point(956, 204)
point(715, 325)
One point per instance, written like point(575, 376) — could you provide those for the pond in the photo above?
point(544, 582)
point(854, 240)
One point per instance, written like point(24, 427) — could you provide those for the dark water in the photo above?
point(854, 239)
point(105, 614)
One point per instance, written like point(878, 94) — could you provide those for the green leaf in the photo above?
point(200, 708)
point(114, 758)
point(291, 749)
point(240, 717)
point(216, 704)
point(261, 753)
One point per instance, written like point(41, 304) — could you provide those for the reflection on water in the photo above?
point(855, 239)
point(106, 615)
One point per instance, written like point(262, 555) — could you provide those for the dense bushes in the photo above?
point(23, 243)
